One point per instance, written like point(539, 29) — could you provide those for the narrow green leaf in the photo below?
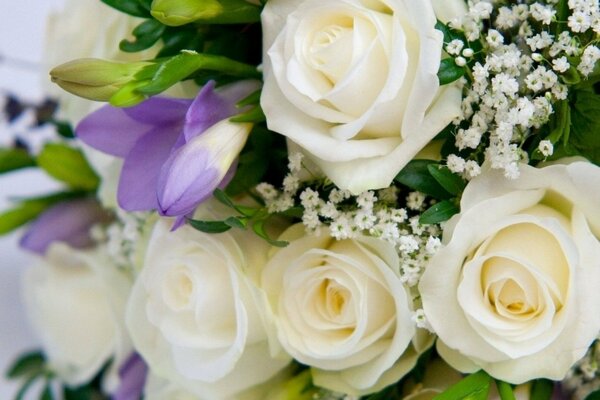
point(294, 212)
point(541, 389)
point(222, 197)
point(68, 165)
point(13, 159)
point(187, 62)
point(439, 212)
point(474, 387)
point(453, 183)
point(26, 365)
point(131, 7)
point(209, 226)
point(593, 396)
point(81, 393)
point(255, 115)
point(63, 128)
point(236, 222)
point(505, 390)
point(146, 35)
point(26, 386)
point(47, 393)
point(259, 228)
point(416, 176)
point(449, 71)
point(252, 99)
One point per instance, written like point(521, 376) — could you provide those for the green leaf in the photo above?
point(146, 35)
point(26, 386)
point(439, 212)
point(13, 159)
point(294, 212)
point(259, 228)
point(505, 390)
point(47, 393)
point(222, 197)
point(541, 389)
point(474, 387)
point(131, 7)
point(29, 364)
point(68, 165)
point(236, 222)
point(585, 125)
point(254, 115)
point(453, 183)
point(209, 226)
point(63, 128)
point(176, 39)
point(29, 209)
point(81, 393)
point(449, 71)
point(250, 100)
point(593, 396)
point(416, 176)
point(187, 62)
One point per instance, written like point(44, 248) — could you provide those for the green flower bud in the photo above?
point(180, 12)
point(95, 79)
point(299, 387)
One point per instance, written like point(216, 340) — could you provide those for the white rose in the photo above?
point(355, 84)
point(341, 308)
point(76, 301)
point(515, 289)
point(193, 312)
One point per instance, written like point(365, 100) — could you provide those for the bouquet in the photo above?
point(317, 199)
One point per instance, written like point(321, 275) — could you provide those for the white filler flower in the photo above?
point(515, 290)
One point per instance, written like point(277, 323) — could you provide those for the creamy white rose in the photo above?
point(515, 289)
point(193, 312)
point(355, 84)
point(75, 301)
point(341, 308)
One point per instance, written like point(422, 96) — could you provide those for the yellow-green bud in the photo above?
point(298, 387)
point(93, 78)
point(180, 12)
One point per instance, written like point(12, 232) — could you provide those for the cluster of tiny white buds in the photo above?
point(421, 320)
point(546, 148)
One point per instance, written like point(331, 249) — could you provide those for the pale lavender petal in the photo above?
point(69, 222)
point(159, 111)
point(212, 106)
point(186, 180)
point(139, 176)
point(111, 131)
point(133, 378)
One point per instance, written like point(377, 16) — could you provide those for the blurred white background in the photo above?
point(22, 72)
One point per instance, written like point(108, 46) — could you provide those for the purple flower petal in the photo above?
point(111, 131)
point(139, 176)
point(186, 179)
point(69, 222)
point(210, 106)
point(133, 378)
point(159, 111)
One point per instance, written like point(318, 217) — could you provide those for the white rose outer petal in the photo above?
point(362, 121)
point(341, 308)
point(193, 314)
point(555, 253)
point(76, 302)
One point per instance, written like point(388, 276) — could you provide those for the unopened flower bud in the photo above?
point(181, 12)
point(95, 79)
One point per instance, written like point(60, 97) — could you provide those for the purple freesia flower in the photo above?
point(68, 221)
point(157, 134)
point(133, 378)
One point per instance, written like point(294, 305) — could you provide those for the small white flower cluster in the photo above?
point(372, 212)
point(122, 237)
point(513, 89)
point(584, 377)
